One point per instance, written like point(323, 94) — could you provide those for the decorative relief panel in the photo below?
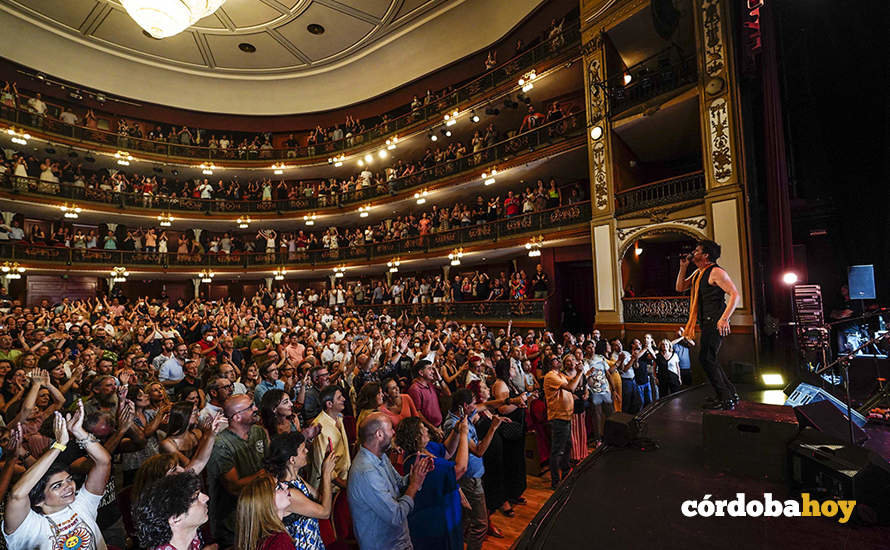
point(600, 185)
point(595, 95)
point(693, 226)
point(721, 152)
point(713, 37)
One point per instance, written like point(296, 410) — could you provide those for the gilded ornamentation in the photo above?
point(600, 186)
point(596, 97)
point(697, 223)
point(721, 154)
point(713, 33)
point(656, 310)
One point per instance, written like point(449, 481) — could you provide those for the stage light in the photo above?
point(596, 132)
point(772, 379)
point(789, 278)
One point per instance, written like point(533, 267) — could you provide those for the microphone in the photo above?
point(679, 256)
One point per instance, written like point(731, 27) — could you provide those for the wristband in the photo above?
point(61, 447)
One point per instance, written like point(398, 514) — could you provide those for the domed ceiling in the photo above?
point(374, 45)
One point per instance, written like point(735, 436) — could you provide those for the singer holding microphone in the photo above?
point(708, 306)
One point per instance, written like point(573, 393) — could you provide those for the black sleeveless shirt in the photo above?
point(711, 298)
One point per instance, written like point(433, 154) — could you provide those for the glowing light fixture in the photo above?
point(627, 78)
point(119, 274)
point(596, 132)
point(369, 158)
point(206, 275)
point(70, 211)
point(789, 278)
point(456, 255)
point(309, 219)
point(526, 80)
point(488, 177)
point(339, 271)
point(280, 273)
point(393, 265)
point(123, 158)
point(278, 168)
point(20, 138)
point(363, 211)
point(12, 270)
point(243, 222)
point(421, 196)
point(382, 153)
point(772, 379)
point(165, 219)
point(207, 168)
point(534, 246)
point(391, 143)
point(163, 18)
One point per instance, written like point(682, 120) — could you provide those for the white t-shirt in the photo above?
point(77, 520)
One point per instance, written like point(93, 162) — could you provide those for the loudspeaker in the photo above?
point(807, 393)
point(861, 282)
point(751, 440)
point(824, 417)
point(621, 429)
point(829, 468)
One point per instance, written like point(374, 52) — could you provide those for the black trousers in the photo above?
point(710, 343)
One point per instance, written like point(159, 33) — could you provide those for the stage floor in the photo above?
point(627, 498)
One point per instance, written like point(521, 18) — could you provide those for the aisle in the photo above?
point(537, 493)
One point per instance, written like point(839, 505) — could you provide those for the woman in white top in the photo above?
point(667, 368)
point(66, 516)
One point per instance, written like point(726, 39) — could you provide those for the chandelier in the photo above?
point(339, 271)
point(534, 246)
point(165, 219)
point(280, 273)
point(12, 270)
point(456, 255)
point(119, 274)
point(163, 18)
point(206, 275)
point(70, 211)
point(243, 222)
point(393, 265)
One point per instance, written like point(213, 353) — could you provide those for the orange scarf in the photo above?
point(689, 329)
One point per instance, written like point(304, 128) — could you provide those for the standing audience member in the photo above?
point(558, 391)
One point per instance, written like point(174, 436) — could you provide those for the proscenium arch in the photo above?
point(658, 230)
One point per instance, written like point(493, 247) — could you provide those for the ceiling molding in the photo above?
point(207, 74)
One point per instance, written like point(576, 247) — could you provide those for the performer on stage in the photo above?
point(709, 284)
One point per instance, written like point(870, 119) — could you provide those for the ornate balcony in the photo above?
point(529, 311)
point(681, 188)
point(663, 72)
point(534, 223)
point(402, 118)
point(656, 309)
point(525, 143)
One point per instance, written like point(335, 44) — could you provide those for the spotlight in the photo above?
point(789, 278)
point(596, 132)
point(474, 117)
point(772, 380)
point(627, 78)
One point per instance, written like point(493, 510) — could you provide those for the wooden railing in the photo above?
point(681, 188)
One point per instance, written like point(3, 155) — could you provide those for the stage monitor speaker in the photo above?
point(824, 417)
point(751, 440)
point(825, 466)
point(807, 393)
point(861, 282)
point(621, 429)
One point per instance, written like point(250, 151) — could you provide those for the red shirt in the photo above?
point(426, 398)
point(196, 544)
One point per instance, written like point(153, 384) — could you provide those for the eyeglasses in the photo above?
point(225, 387)
point(239, 411)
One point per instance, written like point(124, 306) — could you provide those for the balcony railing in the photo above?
point(404, 117)
point(534, 223)
point(682, 188)
point(657, 309)
point(529, 310)
point(547, 134)
point(665, 71)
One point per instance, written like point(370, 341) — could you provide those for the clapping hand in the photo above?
point(421, 467)
point(328, 465)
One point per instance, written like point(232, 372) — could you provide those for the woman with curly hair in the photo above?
point(435, 522)
point(262, 506)
point(170, 512)
point(286, 456)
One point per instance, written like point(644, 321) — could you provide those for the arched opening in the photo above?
point(650, 263)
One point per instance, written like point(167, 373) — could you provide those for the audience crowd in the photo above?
point(250, 423)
